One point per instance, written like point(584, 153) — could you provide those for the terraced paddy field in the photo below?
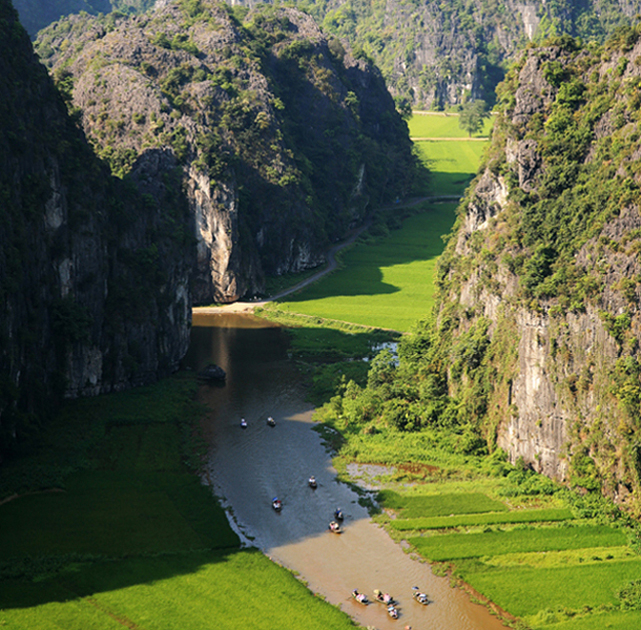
point(531, 555)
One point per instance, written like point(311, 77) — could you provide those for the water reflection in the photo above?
point(249, 467)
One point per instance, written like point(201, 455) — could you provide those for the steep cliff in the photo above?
point(94, 271)
point(285, 139)
point(541, 278)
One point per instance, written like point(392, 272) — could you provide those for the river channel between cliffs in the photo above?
point(249, 467)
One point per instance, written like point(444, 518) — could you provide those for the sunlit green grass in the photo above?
point(198, 591)
point(565, 558)
point(452, 163)
point(452, 546)
point(466, 520)
point(440, 125)
point(616, 620)
point(388, 284)
point(525, 592)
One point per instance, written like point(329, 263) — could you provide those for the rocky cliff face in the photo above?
point(284, 138)
point(93, 271)
point(546, 256)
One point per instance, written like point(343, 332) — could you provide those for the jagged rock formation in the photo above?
point(541, 282)
point(436, 54)
point(94, 274)
point(285, 139)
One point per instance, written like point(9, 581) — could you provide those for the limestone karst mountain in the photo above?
point(286, 140)
point(94, 271)
point(539, 305)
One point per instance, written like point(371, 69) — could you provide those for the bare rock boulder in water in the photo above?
point(213, 372)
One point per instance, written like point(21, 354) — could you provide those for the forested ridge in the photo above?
point(533, 347)
point(431, 54)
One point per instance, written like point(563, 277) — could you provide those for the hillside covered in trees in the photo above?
point(436, 54)
point(285, 138)
point(534, 344)
point(432, 54)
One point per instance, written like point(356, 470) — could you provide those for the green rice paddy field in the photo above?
point(442, 125)
point(130, 538)
point(564, 573)
point(388, 283)
point(385, 285)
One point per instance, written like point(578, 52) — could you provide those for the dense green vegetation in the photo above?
point(446, 34)
point(106, 525)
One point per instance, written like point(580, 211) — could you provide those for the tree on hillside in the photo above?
point(472, 116)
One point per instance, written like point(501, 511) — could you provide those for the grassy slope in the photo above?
point(132, 538)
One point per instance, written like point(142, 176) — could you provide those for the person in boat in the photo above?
point(338, 514)
point(391, 610)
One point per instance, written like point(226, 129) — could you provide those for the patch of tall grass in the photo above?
point(600, 620)
point(526, 592)
point(413, 506)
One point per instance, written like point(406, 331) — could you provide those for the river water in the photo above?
point(249, 467)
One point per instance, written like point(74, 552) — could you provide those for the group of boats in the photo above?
point(389, 601)
point(334, 525)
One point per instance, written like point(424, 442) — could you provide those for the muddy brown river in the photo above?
point(249, 467)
